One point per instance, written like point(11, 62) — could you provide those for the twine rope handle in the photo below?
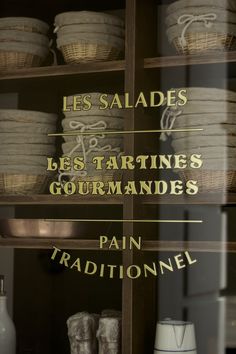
point(54, 54)
point(168, 119)
point(188, 20)
point(56, 29)
point(93, 145)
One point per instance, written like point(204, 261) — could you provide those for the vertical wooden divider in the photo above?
point(138, 295)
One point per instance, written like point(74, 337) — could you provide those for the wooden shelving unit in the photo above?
point(204, 199)
point(60, 71)
point(93, 245)
point(59, 200)
point(132, 74)
point(50, 72)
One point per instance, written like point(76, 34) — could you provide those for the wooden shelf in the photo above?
point(204, 199)
point(51, 72)
point(200, 199)
point(40, 243)
point(187, 60)
point(64, 70)
point(59, 200)
point(147, 246)
point(193, 246)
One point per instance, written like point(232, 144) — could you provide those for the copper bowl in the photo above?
point(29, 228)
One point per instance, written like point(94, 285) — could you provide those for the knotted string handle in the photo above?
point(168, 119)
point(93, 145)
point(188, 20)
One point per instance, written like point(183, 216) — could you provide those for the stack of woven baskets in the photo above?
point(23, 42)
point(89, 36)
point(213, 111)
point(24, 148)
point(98, 142)
point(196, 26)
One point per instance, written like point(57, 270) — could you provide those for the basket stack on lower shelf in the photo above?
point(213, 111)
point(95, 123)
point(24, 148)
point(23, 43)
point(89, 36)
point(196, 26)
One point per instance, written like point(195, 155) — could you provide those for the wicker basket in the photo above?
point(23, 184)
point(15, 55)
point(25, 24)
point(22, 116)
point(87, 17)
point(24, 37)
point(219, 4)
point(85, 52)
point(17, 60)
point(211, 181)
point(202, 42)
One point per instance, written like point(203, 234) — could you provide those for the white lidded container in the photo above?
point(7, 328)
point(175, 337)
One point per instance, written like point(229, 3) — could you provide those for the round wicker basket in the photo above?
point(12, 138)
point(114, 143)
point(92, 28)
point(111, 124)
point(82, 52)
point(12, 184)
point(25, 24)
point(84, 47)
point(199, 32)
point(22, 116)
point(33, 128)
point(211, 181)
point(15, 60)
point(87, 17)
point(16, 55)
point(202, 42)
point(209, 94)
point(25, 37)
point(219, 4)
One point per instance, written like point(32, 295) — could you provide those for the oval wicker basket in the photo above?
point(28, 149)
point(192, 142)
point(111, 124)
point(15, 127)
point(114, 142)
point(95, 111)
point(221, 4)
point(211, 152)
point(86, 47)
point(198, 38)
point(87, 17)
point(11, 138)
point(26, 160)
point(221, 130)
point(203, 42)
point(222, 16)
point(209, 94)
point(25, 24)
point(211, 181)
point(16, 55)
point(12, 184)
point(25, 37)
point(23, 116)
point(87, 52)
point(196, 121)
point(92, 28)
point(204, 107)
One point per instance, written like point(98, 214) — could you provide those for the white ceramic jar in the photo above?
point(175, 337)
